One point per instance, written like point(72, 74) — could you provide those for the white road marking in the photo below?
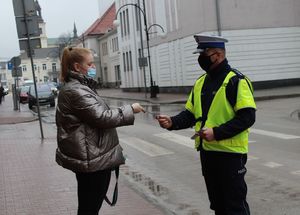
point(296, 172)
point(179, 139)
point(272, 164)
point(273, 134)
point(143, 146)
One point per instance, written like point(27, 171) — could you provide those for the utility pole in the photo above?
point(27, 26)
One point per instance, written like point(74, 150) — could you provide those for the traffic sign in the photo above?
point(28, 4)
point(9, 65)
point(17, 72)
point(16, 61)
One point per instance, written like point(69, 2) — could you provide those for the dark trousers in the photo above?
point(92, 188)
point(224, 175)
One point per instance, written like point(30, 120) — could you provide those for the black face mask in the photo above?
point(205, 62)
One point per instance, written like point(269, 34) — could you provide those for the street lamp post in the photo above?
point(154, 90)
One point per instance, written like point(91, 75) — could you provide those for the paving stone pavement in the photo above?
point(31, 183)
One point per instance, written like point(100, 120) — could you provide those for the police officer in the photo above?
point(221, 107)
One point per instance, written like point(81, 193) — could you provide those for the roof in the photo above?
point(102, 24)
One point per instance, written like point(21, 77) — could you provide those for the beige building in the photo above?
point(46, 65)
point(110, 59)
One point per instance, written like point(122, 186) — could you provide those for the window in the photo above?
point(127, 62)
point(127, 19)
point(105, 74)
point(115, 45)
point(130, 61)
point(53, 67)
point(117, 73)
point(24, 68)
point(44, 66)
point(124, 62)
point(121, 22)
point(125, 24)
point(138, 18)
point(34, 67)
point(104, 48)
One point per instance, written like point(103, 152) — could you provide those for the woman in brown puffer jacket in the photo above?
point(87, 139)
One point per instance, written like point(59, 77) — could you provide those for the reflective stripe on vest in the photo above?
point(220, 112)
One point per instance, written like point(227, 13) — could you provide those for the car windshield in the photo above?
point(43, 88)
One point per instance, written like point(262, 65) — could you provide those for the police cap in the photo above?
point(205, 41)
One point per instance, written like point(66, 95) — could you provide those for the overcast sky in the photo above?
point(59, 16)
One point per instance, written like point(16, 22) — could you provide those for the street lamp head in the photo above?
point(163, 35)
point(116, 23)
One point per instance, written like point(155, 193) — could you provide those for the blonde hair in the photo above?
point(70, 56)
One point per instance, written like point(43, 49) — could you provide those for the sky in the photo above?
point(59, 16)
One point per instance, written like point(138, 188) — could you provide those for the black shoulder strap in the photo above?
point(242, 76)
point(115, 195)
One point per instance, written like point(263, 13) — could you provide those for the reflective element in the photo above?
point(91, 72)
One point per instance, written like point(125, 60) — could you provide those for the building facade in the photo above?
point(110, 59)
point(46, 65)
point(263, 41)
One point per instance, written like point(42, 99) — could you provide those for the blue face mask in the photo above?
point(91, 72)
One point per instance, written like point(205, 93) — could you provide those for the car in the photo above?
point(53, 87)
point(45, 94)
point(5, 90)
point(23, 94)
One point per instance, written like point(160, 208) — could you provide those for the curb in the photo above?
point(16, 120)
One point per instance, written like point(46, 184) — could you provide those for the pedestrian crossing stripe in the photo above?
point(179, 139)
point(146, 147)
point(273, 134)
point(272, 164)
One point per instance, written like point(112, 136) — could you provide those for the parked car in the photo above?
point(53, 87)
point(45, 94)
point(23, 94)
point(5, 90)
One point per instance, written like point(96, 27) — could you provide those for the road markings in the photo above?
point(273, 134)
point(296, 172)
point(143, 146)
point(272, 164)
point(179, 139)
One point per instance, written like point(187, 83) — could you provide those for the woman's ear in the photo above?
point(76, 67)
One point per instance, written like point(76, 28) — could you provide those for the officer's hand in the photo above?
point(207, 134)
point(137, 108)
point(164, 121)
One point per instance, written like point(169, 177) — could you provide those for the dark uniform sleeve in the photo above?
point(243, 119)
point(184, 119)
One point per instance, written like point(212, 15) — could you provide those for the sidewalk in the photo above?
point(31, 183)
point(167, 98)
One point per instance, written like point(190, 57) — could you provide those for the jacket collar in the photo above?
point(222, 69)
point(83, 79)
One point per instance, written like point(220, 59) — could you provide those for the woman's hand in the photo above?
point(137, 108)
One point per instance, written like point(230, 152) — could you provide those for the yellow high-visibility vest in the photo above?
point(221, 111)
